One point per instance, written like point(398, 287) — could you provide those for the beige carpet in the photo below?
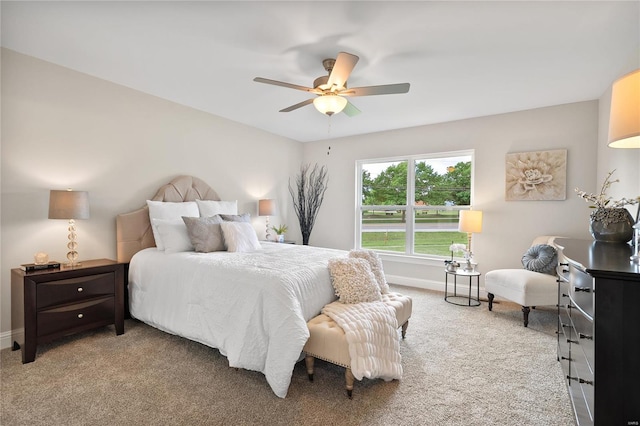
point(462, 366)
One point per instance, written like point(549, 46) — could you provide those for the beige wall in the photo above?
point(509, 226)
point(61, 128)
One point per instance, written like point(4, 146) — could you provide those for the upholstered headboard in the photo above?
point(133, 230)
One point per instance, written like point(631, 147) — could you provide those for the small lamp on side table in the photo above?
point(267, 208)
point(470, 221)
point(69, 205)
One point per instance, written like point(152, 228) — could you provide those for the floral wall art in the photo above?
point(537, 175)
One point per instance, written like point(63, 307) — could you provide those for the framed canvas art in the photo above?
point(536, 175)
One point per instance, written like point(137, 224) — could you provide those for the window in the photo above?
point(411, 204)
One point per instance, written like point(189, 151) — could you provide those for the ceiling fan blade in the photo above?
point(350, 110)
point(298, 105)
point(386, 89)
point(283, 84)
point(342, 69)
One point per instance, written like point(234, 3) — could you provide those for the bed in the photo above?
point(252, 306)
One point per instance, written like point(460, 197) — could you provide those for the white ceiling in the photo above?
point(463, 59)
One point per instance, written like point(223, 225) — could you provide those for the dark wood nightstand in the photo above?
point(53, 303)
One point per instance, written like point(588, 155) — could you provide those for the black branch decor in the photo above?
point(311, 185)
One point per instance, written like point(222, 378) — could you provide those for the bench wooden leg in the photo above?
point(404, 329)
point(348, 375)
point(308, 360)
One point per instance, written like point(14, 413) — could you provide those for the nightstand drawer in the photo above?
point(78, 316)
point(58, 292)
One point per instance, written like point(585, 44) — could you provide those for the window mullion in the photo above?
point(410, 216)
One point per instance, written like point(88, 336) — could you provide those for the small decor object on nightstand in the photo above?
point(280, 231)
point(40, 258)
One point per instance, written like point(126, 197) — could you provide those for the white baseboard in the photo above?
point(7, 338)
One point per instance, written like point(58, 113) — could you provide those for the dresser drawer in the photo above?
point(52, 293)
point(581, 290)
point(71, 318)
point(584, 333)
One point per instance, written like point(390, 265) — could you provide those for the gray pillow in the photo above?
point(205, 233)
point(245, 217)
point(541, 258)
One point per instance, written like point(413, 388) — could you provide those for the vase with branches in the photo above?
point(310, 186)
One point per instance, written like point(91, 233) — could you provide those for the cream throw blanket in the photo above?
point(372, 336)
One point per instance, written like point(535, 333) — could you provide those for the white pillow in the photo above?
point(353, 280)
point(174, 211)
point(174, 235)
point(211, 208)
point(376, 266)
point(240, 237)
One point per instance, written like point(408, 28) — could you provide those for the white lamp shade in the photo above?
point(68, 204)
point(470, 221)
point(266, 207)
point(330, 104)
point(624, 121)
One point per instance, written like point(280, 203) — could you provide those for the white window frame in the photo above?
point(410, 207)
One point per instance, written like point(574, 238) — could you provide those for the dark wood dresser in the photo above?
point(53, 303)
point(599, 331)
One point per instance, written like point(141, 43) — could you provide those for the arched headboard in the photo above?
point(133, 230)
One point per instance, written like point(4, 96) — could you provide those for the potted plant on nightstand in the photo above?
point(280, 231)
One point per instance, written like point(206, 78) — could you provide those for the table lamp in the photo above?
point(69, 205)
point(470, 221)
point(267, 208)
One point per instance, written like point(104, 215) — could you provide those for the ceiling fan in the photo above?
point(332, 89)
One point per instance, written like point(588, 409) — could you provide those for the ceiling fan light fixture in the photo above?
point(330, 103)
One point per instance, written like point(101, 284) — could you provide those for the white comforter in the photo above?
point(253, 307)
point(372, 336)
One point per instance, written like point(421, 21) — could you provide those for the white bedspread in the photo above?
point(253, 307)
point(372, 336)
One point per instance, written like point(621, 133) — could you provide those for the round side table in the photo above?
point(462, 300)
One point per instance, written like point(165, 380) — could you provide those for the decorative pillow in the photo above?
point(211, 208)
point(240, 237)
point(376, 267)
point(165, 210)
point(353, 280)
point(173, 234)
point(205, 233)
point(245, 217)
point(541, 258)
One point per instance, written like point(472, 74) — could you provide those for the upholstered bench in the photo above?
point(327, 341)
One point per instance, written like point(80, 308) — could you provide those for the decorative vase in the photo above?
point(280, 238)
point(611, 225)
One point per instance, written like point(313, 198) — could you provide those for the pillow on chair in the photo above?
point(541, 258)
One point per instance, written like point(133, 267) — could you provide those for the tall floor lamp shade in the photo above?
point(470, 222)
point(267, 208)
point(70, 205)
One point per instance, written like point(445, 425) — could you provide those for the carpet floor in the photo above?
point(462, 366)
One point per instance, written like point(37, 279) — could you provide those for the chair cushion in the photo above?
point(522, 286)
point(541, 258)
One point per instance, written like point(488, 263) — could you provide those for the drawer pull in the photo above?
point(573, 341)
point(80, 315)
point(579, 380)
point(585, 336)
point(565, 295)
point(564, 357)
point(80, 289)
point(585, 289)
